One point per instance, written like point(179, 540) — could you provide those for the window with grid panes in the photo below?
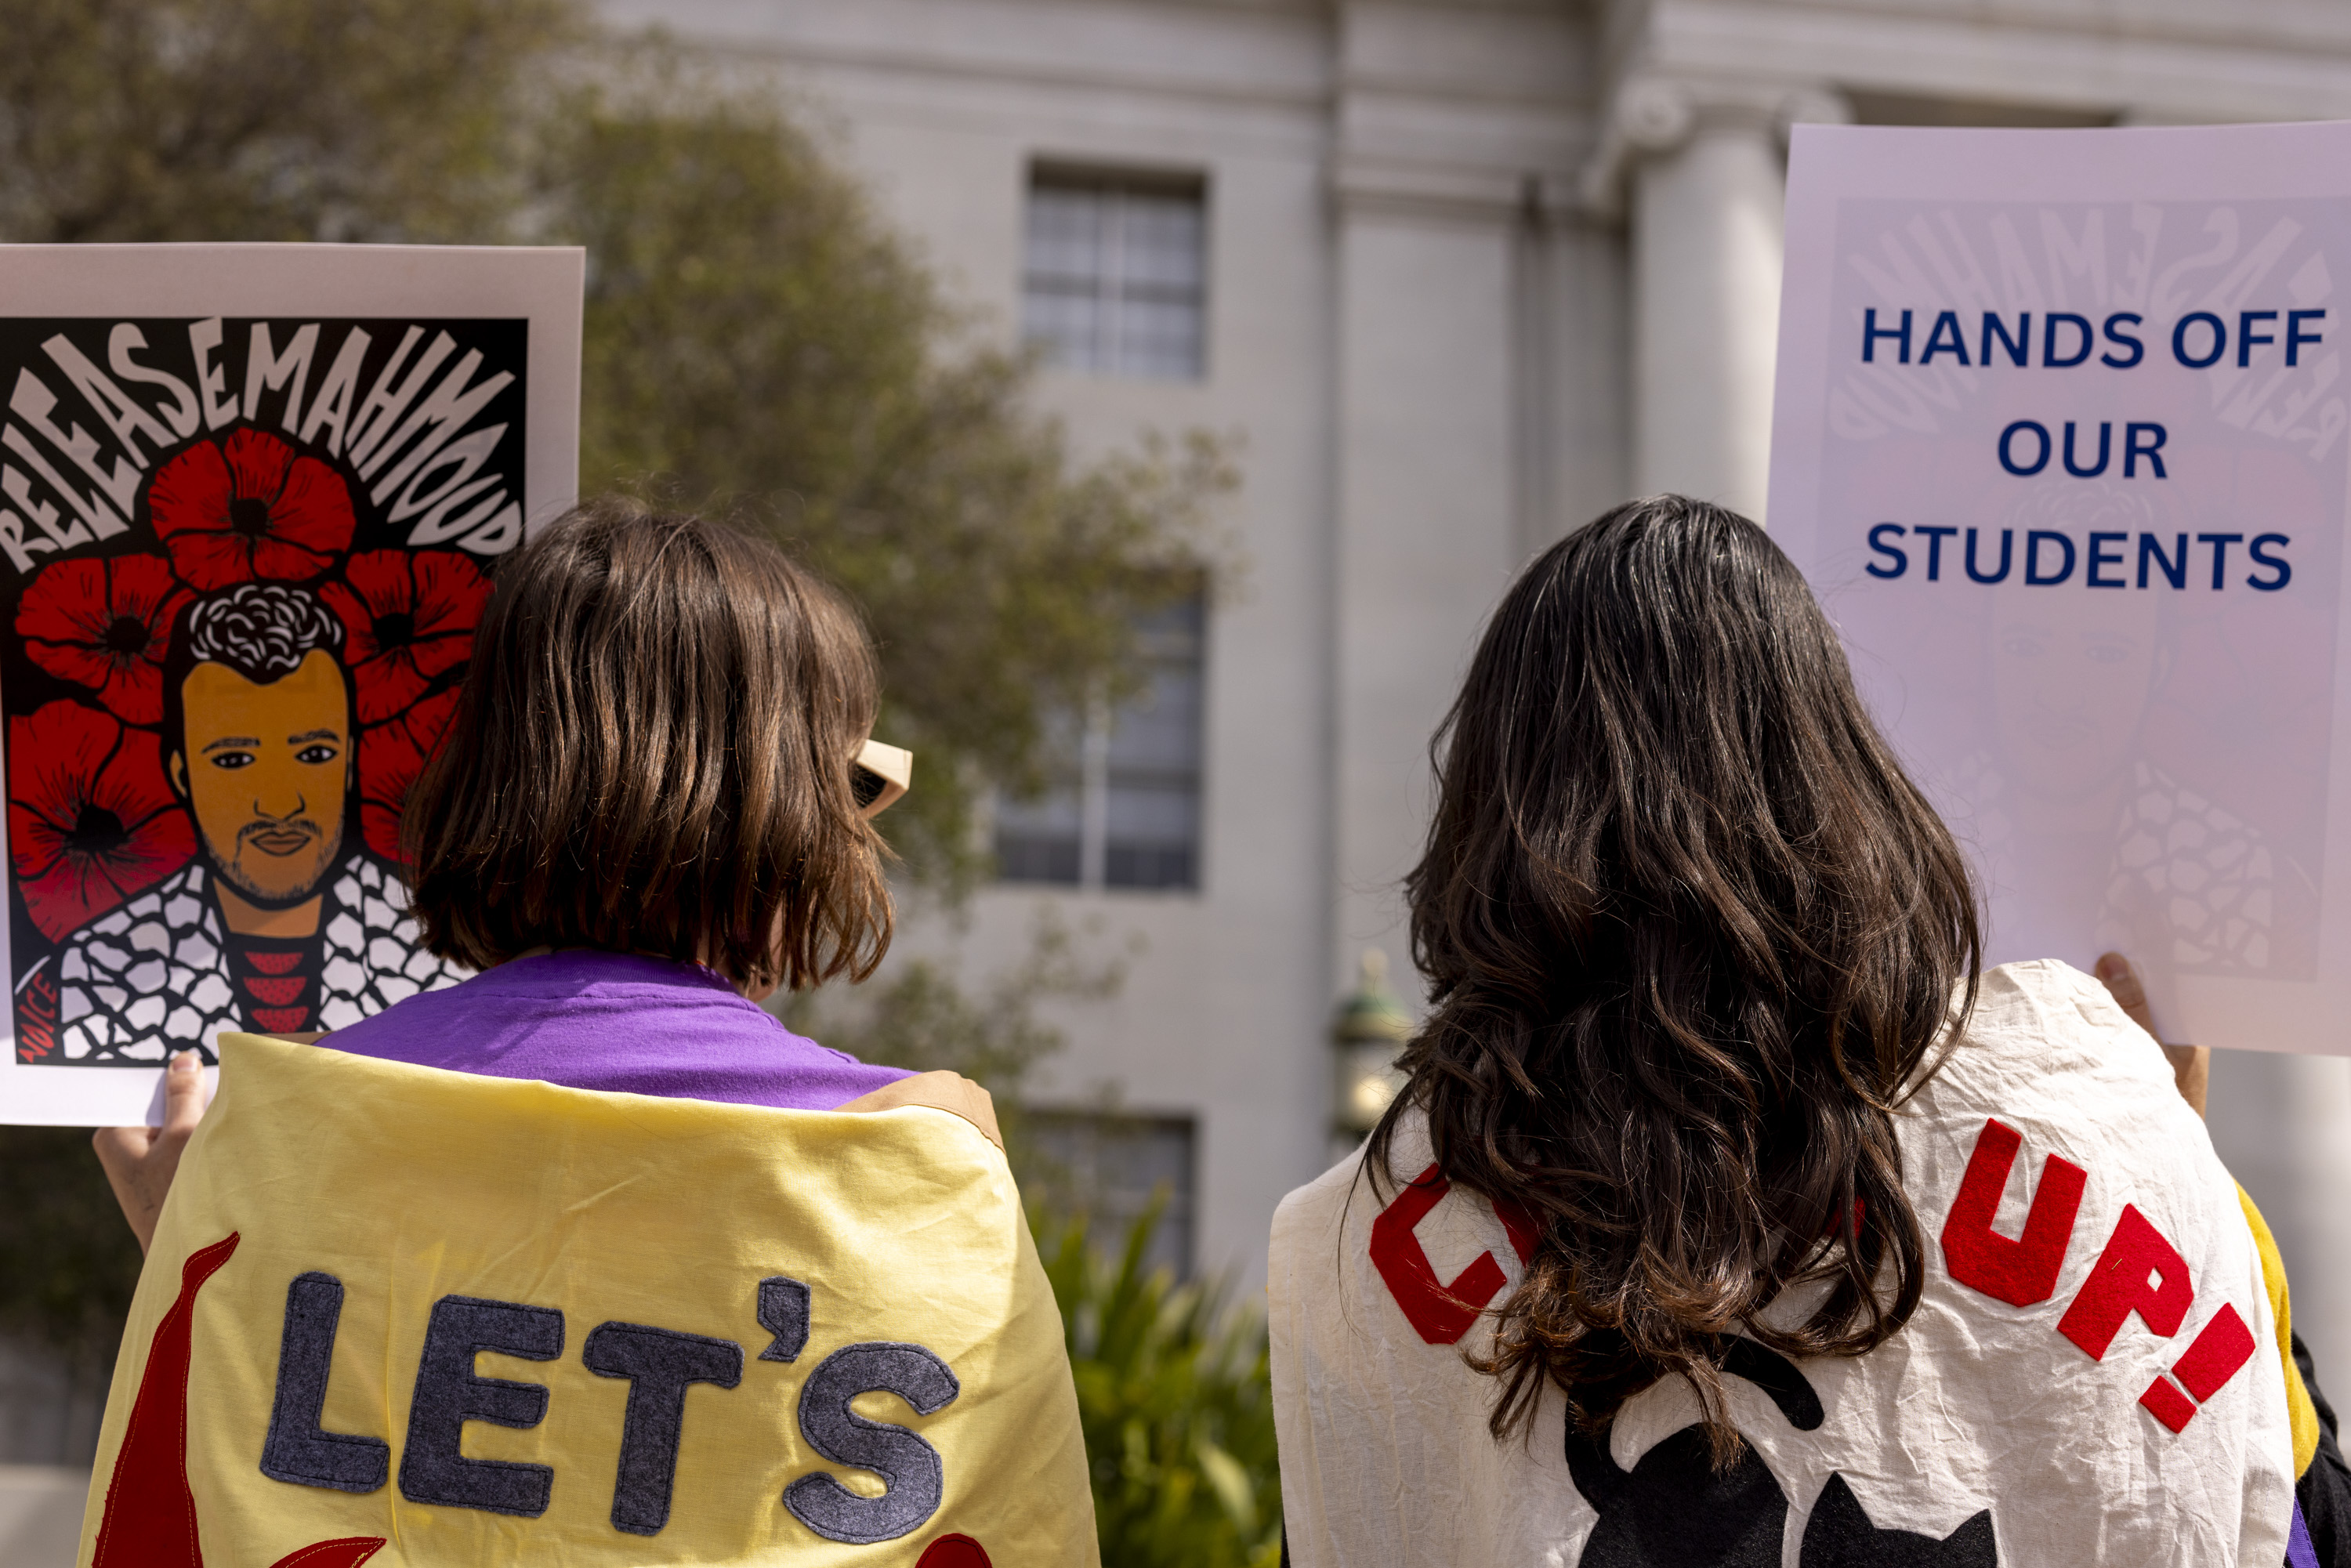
point(1115, 281)
point(1124, 807)
point(1113, 1168)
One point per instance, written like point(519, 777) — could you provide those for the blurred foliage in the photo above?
point(1172, 1379)
point(1174, 1397)
point(755, 332)
point(68, 1262)
point(272, 120)
point(920, 1017)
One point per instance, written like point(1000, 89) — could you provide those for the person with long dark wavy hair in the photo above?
point(1729, 1214)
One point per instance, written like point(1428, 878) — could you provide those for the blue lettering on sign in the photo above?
point(1894, 553)
point(1933, 538)
point(2007, 548)
point(2034, 540)
point(2173, 565)
point(2018, 349)
point(2026, 444)
point(2199, 340)
point(2247, 337)
point(2105, 445)
point(2007, 455)
point(1944, 339)
point(2295, 336)
point(2276, 563)
point(2179, 339)
point(2123, 341)
point(2068, 338)
point(2079, 326)
point(2051, 556)
point(2100, 557)
point(1871, 332)
point(2220, 543)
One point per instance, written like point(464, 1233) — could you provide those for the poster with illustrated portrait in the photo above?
point(2062, 439)
point(250, 500)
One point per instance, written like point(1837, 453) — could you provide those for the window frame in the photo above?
point(1084, 1185)
point(1094, 780)
point(1115, 183)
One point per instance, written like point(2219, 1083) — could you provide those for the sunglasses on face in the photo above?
point(878, 774)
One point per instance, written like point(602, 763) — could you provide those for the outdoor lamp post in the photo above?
point(1368, 1029)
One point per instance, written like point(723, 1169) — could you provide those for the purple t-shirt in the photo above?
point(590, 1019)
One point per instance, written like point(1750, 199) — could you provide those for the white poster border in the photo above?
point(1830, 165)
point(543, 285)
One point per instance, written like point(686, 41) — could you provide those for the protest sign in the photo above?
point(248, 499)
point(2059, 438)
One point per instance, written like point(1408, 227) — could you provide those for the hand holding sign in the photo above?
point(2191, 1065)
point(142, 1161)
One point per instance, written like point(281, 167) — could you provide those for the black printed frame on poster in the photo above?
point(250, 500)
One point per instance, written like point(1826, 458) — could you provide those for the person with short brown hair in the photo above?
point(649, 812)
point(653, 753)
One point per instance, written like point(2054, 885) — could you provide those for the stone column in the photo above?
point(1427, 521)
point(1706, 185)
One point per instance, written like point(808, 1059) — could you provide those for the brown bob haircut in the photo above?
point(650, 754)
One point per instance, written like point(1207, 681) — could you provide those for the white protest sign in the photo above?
point(2059, 438)
point(248, 498)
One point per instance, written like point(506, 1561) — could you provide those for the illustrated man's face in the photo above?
point(264, 769)
point(2072, 676)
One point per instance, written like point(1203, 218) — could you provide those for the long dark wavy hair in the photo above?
point(1690, 935)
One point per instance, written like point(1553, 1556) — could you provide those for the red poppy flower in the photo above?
point(408, 616)
point(104, 624)
point(250, 510)
point(91, 819)
point(391, 757)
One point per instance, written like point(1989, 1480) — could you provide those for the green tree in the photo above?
point(754, 333)
point(271, 120)
point(754, 330)
point(919, 1016)
point(236, 119)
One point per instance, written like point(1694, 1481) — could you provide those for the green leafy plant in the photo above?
point(1173, 1397)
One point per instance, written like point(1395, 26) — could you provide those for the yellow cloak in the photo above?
point(412, 1316)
